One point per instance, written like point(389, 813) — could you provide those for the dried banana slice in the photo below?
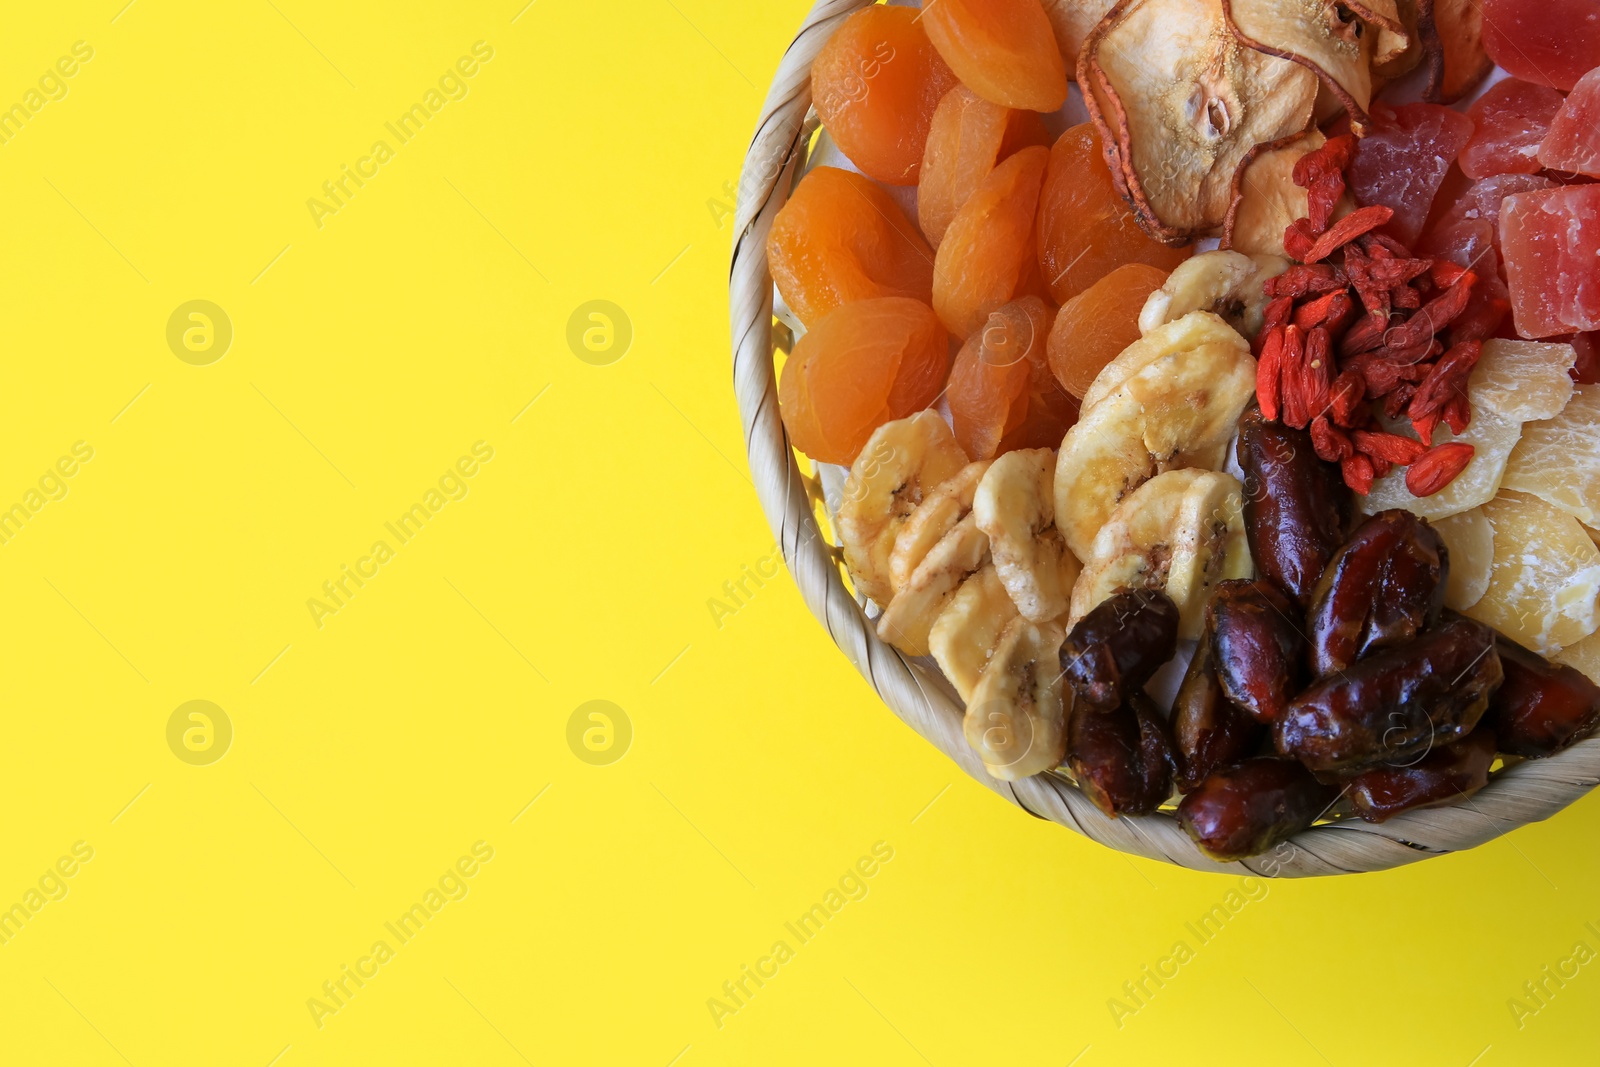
point(936, 516)
point(910, 616)
point(1226, 283)
point(1183, 334)
point(965, 634)
point(1181, 532)
point(1015, 506)
point(899, 464)
point(1178, 408)
point(1017, 717)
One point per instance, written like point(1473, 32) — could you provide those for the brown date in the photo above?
point(1449, 772)
point(1257, 646)
point(1543, 707)
point(1396, 703)
point(1116, 647)
point(1295, 505)
point(1208, 731)
point(1122, 758)
point(1245, 809)
point(1383, 588)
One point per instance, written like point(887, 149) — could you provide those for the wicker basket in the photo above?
point(1520, 793)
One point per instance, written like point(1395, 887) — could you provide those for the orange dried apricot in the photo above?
point(968, 137)
point(840, 239)
point(1098, 323)
point(984, 258)
point(988, 392)
point(862, 365)
point(1004, 50)
point(1086, 230)
point(875, 84)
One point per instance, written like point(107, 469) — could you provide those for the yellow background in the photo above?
point(590, 159)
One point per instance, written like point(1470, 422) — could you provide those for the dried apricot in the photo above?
point(1098, 323)
point(860, 366)
point(989, 392)
point(875, 84)
point(969, 136)
point(841, 238)
point(1004, 50)
point(1086, 230)
point(984, 257)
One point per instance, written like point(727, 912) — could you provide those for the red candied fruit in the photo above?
point(876, 83)
point(1403, 161)
point(1512, 118)
point(862, 365)
point(1573, 143)
point(1552, 244)
point(1552, 42)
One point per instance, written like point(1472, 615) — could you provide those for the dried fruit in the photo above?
point(907, 621)
point(1015, 506)
point(1122, 757)
point(1448, 773)
point(1170, 400)
point(1098, 323)
point(1180, 104)
point(1469, 539)
point(1208, 730)
point(1085, 228)
point(987, 251)
point(1558, 459)
point(1181, 532)
point(902, 463)
point(1114, 650)
point(1265, 200)
point(1227, 284)
point(1543, 707)
point(1552, 42)
point(968, 136)
point(1295, 505)
point(1403, 161)
point(1573, 143)
point(1546, 578)
point(1452, 30)
point(988, 390)
point(1257, 645)
point(875, 84)
point(1341, 42)
point(1016, 719)
point(1585, 656)
point(1245, 809)
point(859, 367)
point(1395, 704)
point(1438, 467)
point(1523, 380)
point(1551, 241)
point(1511, 120)
point(942, 507)
point(965, 634)
point(1072, 20)
point(1004, 50)
point(840, 239)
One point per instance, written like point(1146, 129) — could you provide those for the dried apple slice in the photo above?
point(1452, 34)
point(1558, 460)
point(1265, 198)
point(1409, 13)
point(1340, 40)
point(1180, 104)
point(1072, 21)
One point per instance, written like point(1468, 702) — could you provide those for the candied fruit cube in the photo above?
point(1573, 143)
point(1512, 119)
point(1403, 161)
point(1551, 241)
point(1552, 42)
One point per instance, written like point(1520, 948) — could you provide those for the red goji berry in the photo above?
point(1278, 312)
point(1380, 444)
point(1298, 240)
point(1346, 394)
point(1438, 467)
point(1331, 443)
point(1296, 408)
point(1347, 229)
point(1446, 381)
point(1333, 156)
point(1358, 473)
point(1458, 415)
point(1364, 336)
point(1269, 373)
point(1302, 280)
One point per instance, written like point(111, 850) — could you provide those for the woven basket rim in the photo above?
point(1519, 794)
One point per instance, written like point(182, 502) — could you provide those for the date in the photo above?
point(1448, 773)
point(1122, 758)
point(1295, 505)
point(1114, 649)
point(1382, 589)
point(1208, 731)
point(1245, 809)
point(1397, 703)
point(1543, 707)
point(1258, 647)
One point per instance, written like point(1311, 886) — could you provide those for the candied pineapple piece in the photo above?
point(1544, 591)
point(1493, 438)
point(1522, 380)
point(1585, 655)
point(1558, 459)
point(1469, 537)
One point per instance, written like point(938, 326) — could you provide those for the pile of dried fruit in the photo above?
point(1043, 392)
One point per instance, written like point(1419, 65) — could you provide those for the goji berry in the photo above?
point(1298, 240)
point(1296, 408)
point(1358, 473)
point(1333, 156)
point(1438, 467)
point(1330, 443)
point(1380, 444)
point(1306, 279)
point(1269, 373)
point(1347, 229)
point(1446, 381)
point(1345, 396)
point(1458, 415)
